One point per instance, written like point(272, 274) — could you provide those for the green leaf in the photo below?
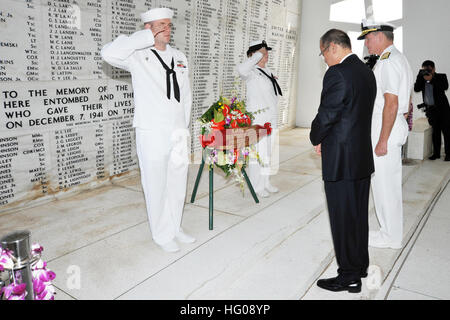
point(218, 116)
point(221, 158)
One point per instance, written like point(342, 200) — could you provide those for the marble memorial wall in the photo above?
point(66, 118)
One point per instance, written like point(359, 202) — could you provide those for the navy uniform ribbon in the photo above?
point(170, 71)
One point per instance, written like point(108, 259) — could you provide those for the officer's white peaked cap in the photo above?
point(369, 25)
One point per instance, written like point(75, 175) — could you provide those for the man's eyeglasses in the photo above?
point(323, 51)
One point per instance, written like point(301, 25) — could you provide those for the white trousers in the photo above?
point(163, 161)
point(387, 179)
point(268, 150)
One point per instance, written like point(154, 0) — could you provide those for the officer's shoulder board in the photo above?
point(385, 56)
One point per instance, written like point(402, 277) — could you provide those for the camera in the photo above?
point(425, 72)
point(429, 110)
point(422, 106)
point(426, 108)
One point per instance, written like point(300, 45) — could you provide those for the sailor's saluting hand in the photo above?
point(161, 29)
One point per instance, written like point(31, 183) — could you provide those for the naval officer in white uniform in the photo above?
point(389, 131)
point(263, 92)
point(163, 100)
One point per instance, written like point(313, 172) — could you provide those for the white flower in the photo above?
point(40, 264)
point(5, 261)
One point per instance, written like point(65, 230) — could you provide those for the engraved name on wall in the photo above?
point(66, 116)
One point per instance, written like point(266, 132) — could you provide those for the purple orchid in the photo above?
point(42, 286)
point(15, 292)
point(43, 290)
point(42, 277)
point(37, 248)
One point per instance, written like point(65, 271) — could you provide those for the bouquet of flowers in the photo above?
point(228, 137)
point(42, 277)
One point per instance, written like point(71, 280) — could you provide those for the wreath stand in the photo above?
point(224, 140)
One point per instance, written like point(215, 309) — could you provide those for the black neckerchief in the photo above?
point(275, 84)
point(170, 71)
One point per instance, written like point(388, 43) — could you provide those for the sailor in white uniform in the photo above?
point(163, 100)
point(389, 131)
point(263, 92)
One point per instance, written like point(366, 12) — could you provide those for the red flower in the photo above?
point(268, 127)
point(206, 141)
point(236, 155)
point(234, 124)
point(226, 110)
point(218, 125)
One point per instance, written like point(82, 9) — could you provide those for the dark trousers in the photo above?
point(348, 208)
point(439, 126)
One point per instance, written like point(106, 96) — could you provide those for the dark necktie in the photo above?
point(170, 71)
point(276, 87)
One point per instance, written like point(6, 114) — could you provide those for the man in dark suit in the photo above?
point(433, 86)
point(340, 132)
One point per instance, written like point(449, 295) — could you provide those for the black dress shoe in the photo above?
point(434, 157)
point(335, 284)
point(447, 158)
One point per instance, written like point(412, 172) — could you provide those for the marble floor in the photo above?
point(424, 274)
point(98, 242)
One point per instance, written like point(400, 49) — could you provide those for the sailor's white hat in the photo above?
point(256, 45)
point(156, 14)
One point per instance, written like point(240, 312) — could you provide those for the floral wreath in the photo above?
point(222, 115)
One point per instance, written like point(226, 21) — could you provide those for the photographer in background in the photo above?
point(435, 104)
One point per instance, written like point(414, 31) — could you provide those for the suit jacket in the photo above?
point(343, 122)
point(440, 84)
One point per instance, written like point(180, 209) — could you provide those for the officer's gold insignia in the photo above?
point(385, 56)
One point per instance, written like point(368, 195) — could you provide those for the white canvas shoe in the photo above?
point(170, 246)
point(377, 240)
point(263, 194)
point(184, 238)
point(271, 188)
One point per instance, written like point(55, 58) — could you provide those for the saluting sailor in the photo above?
point(163, 100)
point(263, 92)
point(389, 131)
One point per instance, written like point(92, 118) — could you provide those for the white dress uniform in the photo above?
point(393, 75)
point(261, 94)
point(161, 126)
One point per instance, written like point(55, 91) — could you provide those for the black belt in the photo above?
point(276, 87)
point(170, 71)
